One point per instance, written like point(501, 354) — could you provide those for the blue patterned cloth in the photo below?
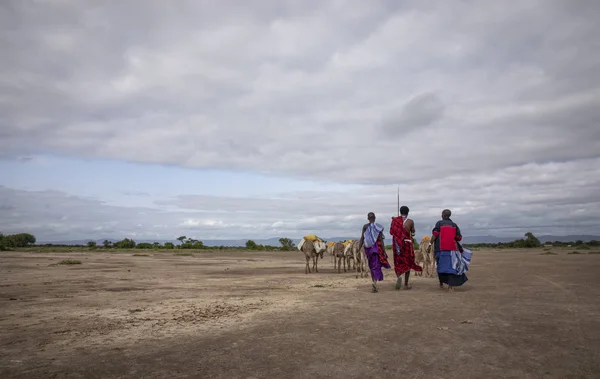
point(372, 233)
point(453, 261)
point(461, 261)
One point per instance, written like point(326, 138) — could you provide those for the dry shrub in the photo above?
point(69, 262)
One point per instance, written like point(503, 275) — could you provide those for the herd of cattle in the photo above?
point(354, 259)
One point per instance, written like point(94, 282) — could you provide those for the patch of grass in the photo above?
point(184, 254)
point(594, 252)
point(583, 247)
point(141, 255)
point(548, 253)
point(321, 285)
point(69, 262)
point(574, 252)
point(547, 249)
point(135, 310)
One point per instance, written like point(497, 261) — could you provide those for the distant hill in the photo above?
point(275, 241)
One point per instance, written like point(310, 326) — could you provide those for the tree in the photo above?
point(16, 240)
point(251, 245)
point(3, 243)
point(91, 244)
point(181, 239)
point(107, 244)
point(169, 245)
point(531, 240)
point(156, 245)
point(286, 244)
point(125, 244)
point(143, 245)
point(19, 240)
point(191, 243)
point(198, 245)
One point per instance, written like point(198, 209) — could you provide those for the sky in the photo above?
point(236, 119)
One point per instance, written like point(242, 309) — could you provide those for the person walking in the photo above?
point(446, 237)
point(372, 238)
point(402, 231)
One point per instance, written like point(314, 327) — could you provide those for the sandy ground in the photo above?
point(257, 315)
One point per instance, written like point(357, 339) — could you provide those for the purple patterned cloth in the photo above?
point(374, 263)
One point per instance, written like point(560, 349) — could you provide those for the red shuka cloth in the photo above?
point(383, 258)
point(404, 251)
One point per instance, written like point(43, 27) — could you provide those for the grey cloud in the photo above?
point(134, 193)
point(419, 112)
point(232, 87)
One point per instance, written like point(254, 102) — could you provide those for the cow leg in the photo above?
point(307, 269)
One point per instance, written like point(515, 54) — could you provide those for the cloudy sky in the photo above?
point(239, 119)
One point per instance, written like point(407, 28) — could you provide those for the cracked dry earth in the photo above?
point(240, 314)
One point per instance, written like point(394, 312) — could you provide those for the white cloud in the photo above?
point(552, 198)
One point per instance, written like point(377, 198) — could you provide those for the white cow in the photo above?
point(338, 254)
point(348, 254)
point(312, 250)
point(360, 259)
point(425, 258)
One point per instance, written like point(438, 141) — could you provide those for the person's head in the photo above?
point(446, 213)
point(371, 217)
point(404, 210)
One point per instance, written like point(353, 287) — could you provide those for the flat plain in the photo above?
point(241, 314)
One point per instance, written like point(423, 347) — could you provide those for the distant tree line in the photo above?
point(531, 241)
point(184, 243)
point(593, 243)
point(8, 242)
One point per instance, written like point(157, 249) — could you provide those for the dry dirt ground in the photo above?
point(257, 315)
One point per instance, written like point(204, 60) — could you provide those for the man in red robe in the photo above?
point(402, 231)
